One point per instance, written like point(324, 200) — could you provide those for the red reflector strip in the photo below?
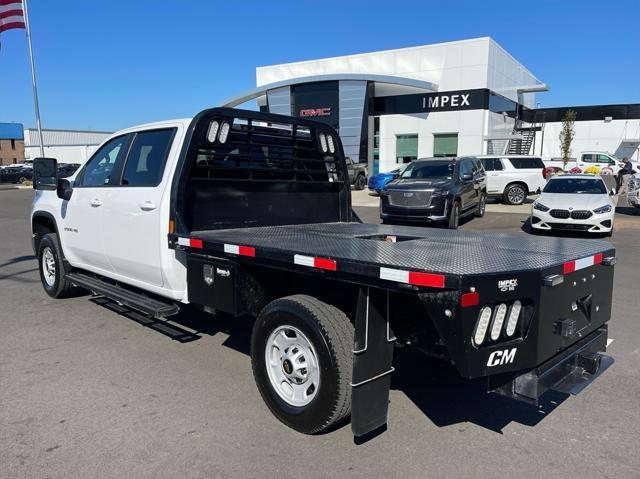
point(571, 266)
point(469, 299)
point(240, 250)
point(191, 242)
point(321, 263)
point(412, 277)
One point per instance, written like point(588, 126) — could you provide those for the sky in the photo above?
point(106, 65)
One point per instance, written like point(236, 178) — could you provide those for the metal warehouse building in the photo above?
point(67, 146)
point(457, 98)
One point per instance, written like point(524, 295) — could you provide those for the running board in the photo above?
point(144, 304)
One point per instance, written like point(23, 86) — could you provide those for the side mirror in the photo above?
point(612, 192)
point(45, 174)
point(64, 189)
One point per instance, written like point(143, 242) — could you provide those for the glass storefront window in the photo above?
point(445, 144)
point(406, 148)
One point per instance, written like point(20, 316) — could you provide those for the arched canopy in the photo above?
point(384, 79)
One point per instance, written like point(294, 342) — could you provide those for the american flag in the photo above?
point(11, 15)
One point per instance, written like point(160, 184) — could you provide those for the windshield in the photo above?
point(428, 170)
point(588, 186)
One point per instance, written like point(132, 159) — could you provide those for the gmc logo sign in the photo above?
point(315, 112)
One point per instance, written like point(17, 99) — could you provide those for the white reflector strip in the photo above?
point(183, 241)
point(232, 248)
point(303, 260)
point(394, 275)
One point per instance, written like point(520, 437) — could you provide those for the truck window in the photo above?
point(99, 168)
point(147, 157)
point(492, 164)
point(527, 163)
point(587, 158)
point(603, 159)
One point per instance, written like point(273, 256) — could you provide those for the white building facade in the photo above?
point(67, 146)
point(458, 98)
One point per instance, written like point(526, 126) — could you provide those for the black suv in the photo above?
point(436, 190)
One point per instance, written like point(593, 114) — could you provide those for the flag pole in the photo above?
point(33, 76)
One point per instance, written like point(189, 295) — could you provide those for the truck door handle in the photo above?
point(96, 202)
point(147, 206)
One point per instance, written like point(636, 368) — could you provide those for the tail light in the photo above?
point(503, 319)
point(498, 321)
point(482, 326)
point(514, 314)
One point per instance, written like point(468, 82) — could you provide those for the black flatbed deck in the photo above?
point(356, 248)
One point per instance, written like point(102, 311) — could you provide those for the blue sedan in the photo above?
point(377, 182)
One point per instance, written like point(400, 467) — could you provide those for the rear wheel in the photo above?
point(302, 361)
point(454, 216)
point(52, 268)
point(515, 194)
point(360, 183)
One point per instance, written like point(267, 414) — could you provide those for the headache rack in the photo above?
point(243, 168)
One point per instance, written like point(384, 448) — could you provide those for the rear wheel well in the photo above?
point(40, 226)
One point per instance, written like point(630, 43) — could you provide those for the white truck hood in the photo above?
point(576, 201)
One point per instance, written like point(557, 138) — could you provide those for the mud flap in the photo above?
point(372, 359)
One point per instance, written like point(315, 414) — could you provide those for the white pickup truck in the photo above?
point(249, 214)
point(599, 159)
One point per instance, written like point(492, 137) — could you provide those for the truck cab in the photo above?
point(600, 160)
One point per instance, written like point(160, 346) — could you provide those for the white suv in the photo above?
point(513, 177)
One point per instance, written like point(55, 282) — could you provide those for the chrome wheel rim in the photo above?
point(456, 215)
point(292, 366)
point(482, 204)
point(48, 266)
point(516, 195)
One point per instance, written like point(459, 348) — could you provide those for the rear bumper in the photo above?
point(569, 372)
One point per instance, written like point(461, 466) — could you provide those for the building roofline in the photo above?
point(377, 52)
point(70, 131)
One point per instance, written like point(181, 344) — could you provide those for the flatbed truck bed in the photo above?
point(249, 214)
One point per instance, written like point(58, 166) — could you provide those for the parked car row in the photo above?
point(24, 172)
point(443, 190)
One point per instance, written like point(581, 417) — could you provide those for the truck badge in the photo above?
point(498, 358)
point(505, 285)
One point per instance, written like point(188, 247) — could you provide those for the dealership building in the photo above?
point(465, 97)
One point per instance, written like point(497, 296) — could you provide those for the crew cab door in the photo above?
point(81, 231)
point(495, 175)
point(133, 235)
point(467, 186)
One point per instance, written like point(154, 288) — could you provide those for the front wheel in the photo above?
point(454, 216)
point(482, 206)
point(301, 354)
point(360, 183)
point(52, 269)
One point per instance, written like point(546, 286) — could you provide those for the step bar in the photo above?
point(153, 307)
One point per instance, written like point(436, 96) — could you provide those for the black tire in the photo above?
point(331, 334)
point(515, 194)
point(482, 206)
point(454, 216)
point(59, 287)
point(360, 183)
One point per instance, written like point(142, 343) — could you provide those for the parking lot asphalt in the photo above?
point(86, 392)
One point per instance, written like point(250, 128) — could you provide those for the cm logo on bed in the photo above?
point(498, 358)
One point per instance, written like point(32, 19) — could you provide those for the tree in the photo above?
point(566, 136)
